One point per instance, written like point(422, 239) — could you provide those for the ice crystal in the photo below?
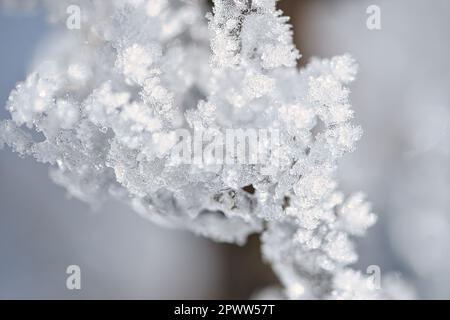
point(109, 101)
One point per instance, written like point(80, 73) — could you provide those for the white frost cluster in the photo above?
point(104, 107)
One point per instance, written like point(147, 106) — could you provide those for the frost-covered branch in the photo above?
point(113, 96)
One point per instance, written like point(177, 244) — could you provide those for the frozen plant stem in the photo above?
point(111, 97)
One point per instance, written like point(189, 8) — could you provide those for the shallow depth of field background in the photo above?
point(402, 100)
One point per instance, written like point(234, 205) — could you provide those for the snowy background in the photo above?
point(402, 101)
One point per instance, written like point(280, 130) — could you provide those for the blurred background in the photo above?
point(402, 101)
